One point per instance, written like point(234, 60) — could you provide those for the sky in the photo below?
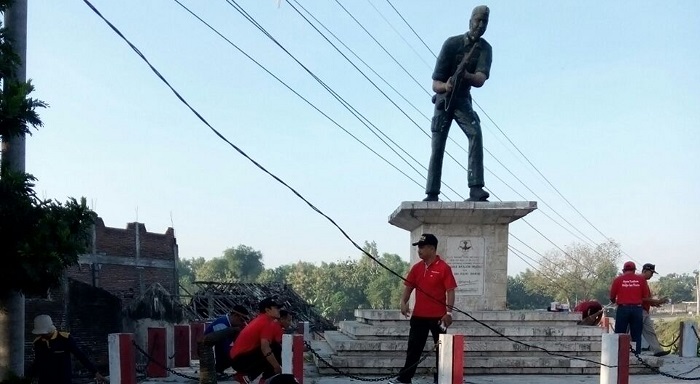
point(601, 97)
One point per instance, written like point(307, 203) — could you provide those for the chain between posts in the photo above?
point(658, 371)
point(158, 363)
point(360, 378)
point(673, 342)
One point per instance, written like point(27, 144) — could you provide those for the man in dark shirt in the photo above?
point(52, 354)
point(237, 317)
point(453, 101)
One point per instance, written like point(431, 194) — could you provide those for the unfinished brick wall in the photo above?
point(88, 313)
point(127, 261)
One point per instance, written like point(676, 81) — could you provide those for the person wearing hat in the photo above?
point(629, 291)
point(434, 283)
point(52, 354)
point(254, 351)
point(648, 332)
point(236, 318)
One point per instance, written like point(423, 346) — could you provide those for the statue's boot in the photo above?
point(477, 194)
point(431, 197)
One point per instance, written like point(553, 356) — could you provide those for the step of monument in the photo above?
point(472, 365)
point(472, 371)
point(360, 330)
point(525, 315)
point(339, 341)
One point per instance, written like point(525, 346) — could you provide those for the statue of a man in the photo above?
point(464, 62)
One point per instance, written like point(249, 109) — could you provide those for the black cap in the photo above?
point(649, 267)
point(268, 302)
point(427, 239)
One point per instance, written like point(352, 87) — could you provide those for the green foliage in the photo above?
point(242, 263)
point(18, 109)
point(336, 289)
point(667, 331)
point(675, 287)
point(186, 274)
point(519, 297)
point(583, 272)
point(40, 238)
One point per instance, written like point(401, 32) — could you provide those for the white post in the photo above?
point(287, 353)
point(451, 359)
point(609, 350)
point(688, 341)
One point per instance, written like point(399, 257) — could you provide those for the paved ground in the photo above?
point(687, 367)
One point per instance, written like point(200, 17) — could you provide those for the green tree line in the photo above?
point(578, 272)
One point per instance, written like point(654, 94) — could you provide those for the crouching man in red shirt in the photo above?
point(256, 350)
point(629, 291)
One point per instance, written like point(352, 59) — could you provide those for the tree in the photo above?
point(38, 238)
point(675, 287)
point(276, 275)
point(519, 297)
point(187, 273)
point(581, 272)
point(244, 262)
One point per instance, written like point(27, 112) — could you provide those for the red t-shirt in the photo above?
point(588, 308)
point(273, 332)
point(249, 338)
point(629, 289)
point(431, 282)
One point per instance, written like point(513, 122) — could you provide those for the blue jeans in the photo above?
point(633, 317)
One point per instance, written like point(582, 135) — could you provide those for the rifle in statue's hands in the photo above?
point(458, 75)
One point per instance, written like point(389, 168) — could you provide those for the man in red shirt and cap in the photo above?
point(435, 287)
point(648, 270)
point(629, 291)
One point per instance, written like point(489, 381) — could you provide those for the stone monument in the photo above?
point(473, 240)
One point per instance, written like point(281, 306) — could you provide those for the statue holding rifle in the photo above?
point(464, 62)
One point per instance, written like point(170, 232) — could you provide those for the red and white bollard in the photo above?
point(122, 358)
point(304, 328)
point(605, 324)
point(615, 354)
point(451, 359)
point(293, 356)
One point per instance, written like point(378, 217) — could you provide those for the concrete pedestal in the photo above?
point(473, 239)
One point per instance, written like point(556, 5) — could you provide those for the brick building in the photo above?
point(125, 262)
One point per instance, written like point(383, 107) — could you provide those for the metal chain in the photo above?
point(360, 378)
point(695, 331)
point(657, 370)
point(158, 363)
point(672, 343)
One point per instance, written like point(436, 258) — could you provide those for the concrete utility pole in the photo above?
point(13, 155)
point(697, 295)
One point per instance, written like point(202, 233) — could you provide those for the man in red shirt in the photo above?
point(435, 287)
point(629, 291)
point(253, 352)
point(591, 312)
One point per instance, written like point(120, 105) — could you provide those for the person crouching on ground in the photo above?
point(253, 353)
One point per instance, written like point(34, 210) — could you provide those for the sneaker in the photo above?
point(662, 353)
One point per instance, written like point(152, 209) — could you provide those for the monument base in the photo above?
point(473, 240)
point(375, 344)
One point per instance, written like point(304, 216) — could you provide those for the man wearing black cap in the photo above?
point(435, 287)
point(648, 270)
point(629, 291)
point(253, 352)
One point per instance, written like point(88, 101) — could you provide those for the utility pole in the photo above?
point(13, 156)
point(697, 295)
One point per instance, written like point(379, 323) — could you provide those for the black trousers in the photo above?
point(223, 359)
point(253, 363)
point(470, 124)
point(417, 337)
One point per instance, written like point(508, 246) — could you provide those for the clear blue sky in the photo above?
point(601, 96)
